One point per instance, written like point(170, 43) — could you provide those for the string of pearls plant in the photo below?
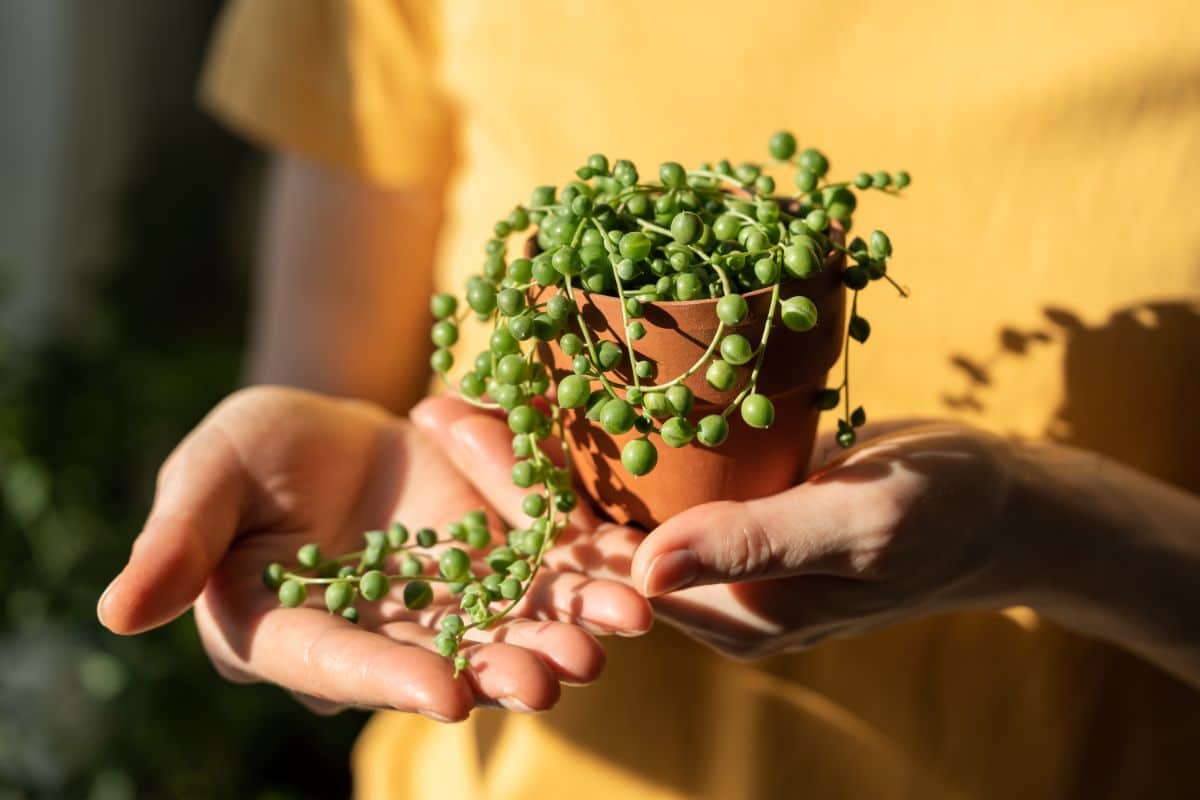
point(715, 232)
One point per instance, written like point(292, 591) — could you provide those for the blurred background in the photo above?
point(125, 244)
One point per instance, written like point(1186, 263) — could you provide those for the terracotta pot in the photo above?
point(752, 462)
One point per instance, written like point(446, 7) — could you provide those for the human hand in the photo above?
point(271, 469)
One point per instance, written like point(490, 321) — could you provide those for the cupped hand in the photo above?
point(271, 469)
point(911, 522)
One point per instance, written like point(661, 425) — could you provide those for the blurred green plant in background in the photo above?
point(84, 422)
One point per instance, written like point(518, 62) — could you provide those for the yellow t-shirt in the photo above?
point(1050, 238)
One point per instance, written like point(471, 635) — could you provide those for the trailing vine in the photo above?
point(712, 233)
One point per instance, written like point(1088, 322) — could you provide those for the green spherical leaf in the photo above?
point(523, 419)
point(617, 416)
point(573, 391)
point(798, 313)
point(720, 375)
point(443, 305)
point(534, 505)
point(639, 456)
point(292, 593)
point(454, 564)
point(860, 329)
point(397, 535)
point(686, 227)
point(766, 270)
point(880, 246)
point(441, 360)
point(672, 175)
point(677, 431)
point(801, 260)
point(417, 595)
point(635, 246)
point(736, 349)
point(309, 556)
point(272, 576)
point(426, 537)
point(782, 145)
point(680, 399)
point(828, 399)
point(814, 161)
point(726, 227)
point(732, 309)
point(338, 595)
point(373, 585)
point(712, 431)
point(609, 354)
point(758, 411)
point(512, 369)
point(902, 179)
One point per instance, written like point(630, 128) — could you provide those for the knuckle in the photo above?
point(747, 548)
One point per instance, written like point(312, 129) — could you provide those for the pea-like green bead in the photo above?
point(736, 349)
point(426, 537)
point(523, 474)
point(478, 538)
point(443, 305)
point(397, 535)
point(609, 354)
point(766, 270)
point(902, 179)
point(581, 365)
point(573, 391)
point(507, 396)
point(519, 570)
point(520, 327)
point(758, 411)
point(566, 500)
point(782, 145)
point(566, 261)
point(880, 246)
point(309, 556)
point(481, 297)
point(764, 185)
point(625, 172)
point(846, 438)
point(417, 595)
point(712, 431)
point(672, 175)
point(688, 286)
point(656, 404)
point(502, 342)
point(639, 456)
point(472, 385)
point(558, 307)
point(510, 301)
point(410, 566)
point(338, 595)
point(544, 272)
point(636, 330)
point(498, 561)
point(534, 505)
point(510, 588)
point(677, 431)
point(444, 333)
point(523, 419)
point(454, 564)
point(720, 375)
point(817, 220)
point(617, 416)
point(292, 593)
point(644, 369)
point(635, 246)
point(680, 399)
point(863, 180)
point(272, 576)
point(798, 313)
point(441, 360)
point(800, 261)
point(570, 344)
point(512, 369)
point(732, 309)
point(350, 614)
point(686, 227)
point(755, 242)
point(814, 161)
point(726, 227)
point(373, 585)
point(881, 180)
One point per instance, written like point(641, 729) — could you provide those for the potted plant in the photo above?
point(673, 336)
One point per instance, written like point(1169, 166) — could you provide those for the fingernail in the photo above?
point(103, 597)
point(434, 716)
point(513, 704)
point(670, 571)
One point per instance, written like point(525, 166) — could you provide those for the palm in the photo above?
point(307, 469)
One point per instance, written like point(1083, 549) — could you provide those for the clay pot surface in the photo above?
point(752, 462)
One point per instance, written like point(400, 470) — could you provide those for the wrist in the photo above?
point(1105, 551)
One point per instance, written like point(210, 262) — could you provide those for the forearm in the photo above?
point(342, 295)
point(1119, 553)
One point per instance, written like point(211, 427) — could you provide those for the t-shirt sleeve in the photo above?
point(347, 83)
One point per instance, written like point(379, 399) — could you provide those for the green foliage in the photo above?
point(700, 234)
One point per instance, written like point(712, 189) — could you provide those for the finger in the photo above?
point(602, 606)
point(571, 653)
point(318, 706)
point(201, 495)
point(315, 653)
point(799, 532)
point(499, 673)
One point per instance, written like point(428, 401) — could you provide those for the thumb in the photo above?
point(202, 493)
point(791, 533)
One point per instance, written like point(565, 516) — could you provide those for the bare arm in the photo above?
point(343, 287)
